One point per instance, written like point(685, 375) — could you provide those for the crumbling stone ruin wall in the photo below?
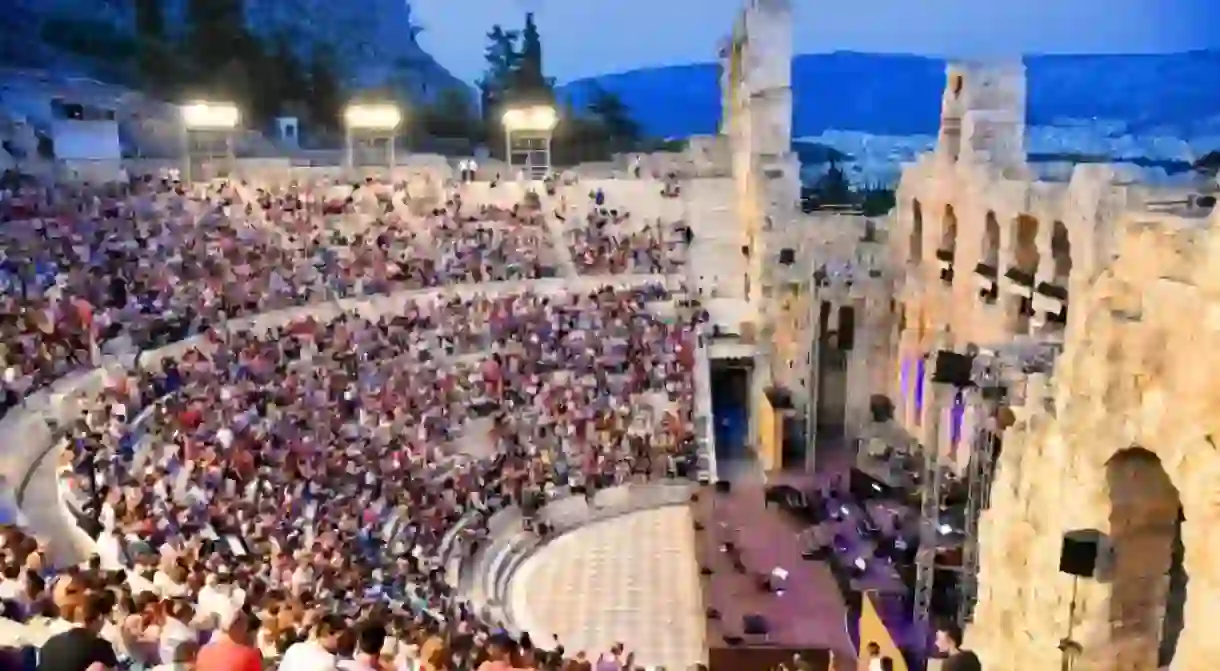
point(1120, 441)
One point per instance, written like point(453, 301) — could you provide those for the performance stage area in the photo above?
point(763, 601)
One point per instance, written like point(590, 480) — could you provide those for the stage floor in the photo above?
point(809, 614)
point(631, 579)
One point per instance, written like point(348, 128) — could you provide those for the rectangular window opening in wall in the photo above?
point(847, 328)
point(824, 320)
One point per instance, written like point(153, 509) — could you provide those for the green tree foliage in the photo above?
point(214, 57)
point(876, 200)
point(528, 77)
point(615, 118)
point(451, 116)
point(833, 188)
point(90, 38)
point(502, 56)
point(1209, 163)
point(150, 19)
point(324, 101)
point(216, 34)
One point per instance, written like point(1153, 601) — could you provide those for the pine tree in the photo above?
point(502, 57)
point(614, 115)
point(216, 30)
point(150, 19)
point(325, 90)
point(529, 78)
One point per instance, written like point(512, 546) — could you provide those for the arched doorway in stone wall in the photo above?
point(1147, 580)
point(1024, 258)
point(915, 245)
point(947, 252)
point(991, 241)
point(1061, 255)
point(988, 268)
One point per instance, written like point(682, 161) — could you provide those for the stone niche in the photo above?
point(1127, 444)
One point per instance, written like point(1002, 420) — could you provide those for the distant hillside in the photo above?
point(900, 95)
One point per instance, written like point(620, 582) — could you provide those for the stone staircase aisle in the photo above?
point(559, 240)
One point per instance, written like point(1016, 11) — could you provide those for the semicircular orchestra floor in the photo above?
point(632, 579)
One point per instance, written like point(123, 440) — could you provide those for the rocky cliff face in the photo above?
point(375, 39)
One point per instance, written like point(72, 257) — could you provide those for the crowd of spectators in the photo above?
point(299, 495)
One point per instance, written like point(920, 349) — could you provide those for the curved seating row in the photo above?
point(485, 580)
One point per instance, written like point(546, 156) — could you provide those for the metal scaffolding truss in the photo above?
point(929, 523)
point(982, 470)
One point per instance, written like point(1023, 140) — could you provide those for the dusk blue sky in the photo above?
point(584, 38)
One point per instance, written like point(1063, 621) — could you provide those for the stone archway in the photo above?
point(1123, 438)
point(1024, 259)
point(915, 245)
point(946, 253)
point(1025, 255)
point(991, 241)
point(1145, 510)
point(1061, 255)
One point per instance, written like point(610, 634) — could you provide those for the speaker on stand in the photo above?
point(1077, 558)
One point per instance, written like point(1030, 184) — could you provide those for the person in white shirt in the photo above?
point(168, 581)
point(219, 595)
point(318, 653)
point(472, 169)
point(176, 631)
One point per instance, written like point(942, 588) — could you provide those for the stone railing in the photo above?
point(28, 433)
point(486, 578)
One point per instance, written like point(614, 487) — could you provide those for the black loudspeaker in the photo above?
point(713, 614)
point(723, 486)
point(787, 256)
point(703, 570)
point(733, 640)
point(754, 624)
point(952, 368)
point(1080, 550)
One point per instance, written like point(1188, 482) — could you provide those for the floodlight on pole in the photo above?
point(527, 134)
point(537, 119)
point(210, 116)
point(369, 124)
point(207, 134)
point(372, 117)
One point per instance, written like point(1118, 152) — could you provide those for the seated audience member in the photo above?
point(317, 653)
point(81, 648)
point(230, 647)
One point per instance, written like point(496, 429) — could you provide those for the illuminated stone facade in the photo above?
point(1095, 307)
point(757, 102)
